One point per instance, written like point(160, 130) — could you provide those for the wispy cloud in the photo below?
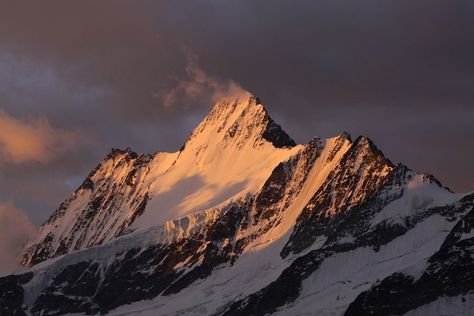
point(33, 140)
point(15, 229)
point(200, 86)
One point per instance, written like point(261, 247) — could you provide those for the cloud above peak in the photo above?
point(199, 86)
point(33, 140)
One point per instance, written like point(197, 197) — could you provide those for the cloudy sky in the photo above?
point(78, 78)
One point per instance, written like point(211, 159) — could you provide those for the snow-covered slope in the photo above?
point(242, 221)
point(229, 155)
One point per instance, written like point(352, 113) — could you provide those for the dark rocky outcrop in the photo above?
point(277, 136)
point(450, 272)
point(11, 294)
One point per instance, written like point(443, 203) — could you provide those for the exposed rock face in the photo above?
point(11, 294)
point(89, 217)
point(359, 176)
point(242, 221)
point(449, 273)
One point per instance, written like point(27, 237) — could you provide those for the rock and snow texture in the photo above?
point(242, 221)
point(229, 155)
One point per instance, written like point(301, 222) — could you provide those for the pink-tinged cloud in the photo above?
point(199, 85)
point(32, 140)
point(15, 229)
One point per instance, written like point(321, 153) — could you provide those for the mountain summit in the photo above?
point(243, 221)
point(239, 122)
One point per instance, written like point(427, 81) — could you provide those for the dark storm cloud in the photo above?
point(400, 72)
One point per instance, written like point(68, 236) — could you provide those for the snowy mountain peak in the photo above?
point(239, 123)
